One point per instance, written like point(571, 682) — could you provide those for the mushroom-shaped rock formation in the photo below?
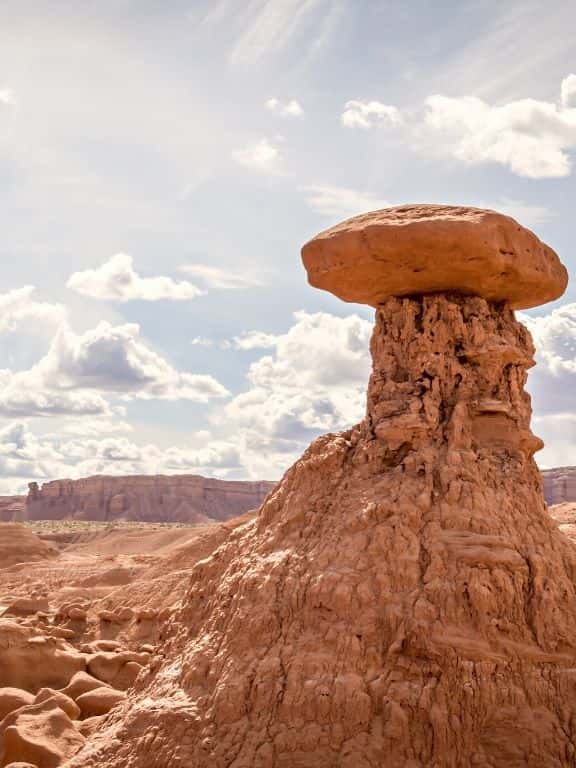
point(403, 599)
point(421, 249)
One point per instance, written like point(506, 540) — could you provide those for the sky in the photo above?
point(161, 164)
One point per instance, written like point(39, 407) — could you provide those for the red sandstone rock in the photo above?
point(63, 701)
point(99, 701)
point(30, 661)
point(41, 734)
point(81, 683)
point(420, 249)
point(13, 698)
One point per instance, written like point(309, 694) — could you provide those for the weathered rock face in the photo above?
point(559, 485)
point(158, 498)
point(403, 598)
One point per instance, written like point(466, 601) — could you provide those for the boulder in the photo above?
point(99, 701)
point(421, 249)
point(81, 683)
point(107, 666)
point(30, 661)
point(13, 698)
point(41, 734)
point(65, 703)
point(27, 606)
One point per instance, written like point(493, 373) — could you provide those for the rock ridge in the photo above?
point(145, 498)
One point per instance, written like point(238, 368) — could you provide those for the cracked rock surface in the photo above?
point(402, 599)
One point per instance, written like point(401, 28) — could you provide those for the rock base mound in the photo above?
point(403, 598)
point(19, 545)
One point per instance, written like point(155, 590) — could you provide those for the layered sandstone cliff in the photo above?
point(403, 599)
point(154, 498)
point(560, 485)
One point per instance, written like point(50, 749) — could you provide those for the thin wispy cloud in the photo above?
point(341, 202)
point(528, 214)
point(221, 278)
point(270, 25)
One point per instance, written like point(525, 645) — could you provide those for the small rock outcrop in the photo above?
point(157, 498)
point(403, 599)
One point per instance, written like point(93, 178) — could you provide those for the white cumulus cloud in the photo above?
point(263, 156)
point(313, 380)
point(117, 280)
point(255, 340)
point(532, 138)
point(7, 97)
point(367, 114)
point(18, 308)
point(80, 372)
point(568, 91)
point(115, 359)
point(291, 108)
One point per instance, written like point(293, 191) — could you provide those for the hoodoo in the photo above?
point(403, 599)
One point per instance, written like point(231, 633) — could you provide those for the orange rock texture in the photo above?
point(416, 249)
point(402, 600)
point(19, 545)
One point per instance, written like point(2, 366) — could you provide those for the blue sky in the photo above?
point(161, 164)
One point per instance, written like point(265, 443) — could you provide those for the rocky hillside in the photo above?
point(156, 498)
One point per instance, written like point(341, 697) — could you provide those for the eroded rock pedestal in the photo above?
point(403, 600)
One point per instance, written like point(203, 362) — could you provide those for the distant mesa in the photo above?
point(559, 485)
point(137, 498)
